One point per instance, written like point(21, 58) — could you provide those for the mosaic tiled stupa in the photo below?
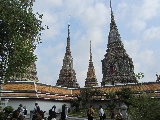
point(30, 75)
point(67, 76)
point(117, 66)
point(91, 79)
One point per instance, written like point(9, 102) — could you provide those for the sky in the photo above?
point(138, 22)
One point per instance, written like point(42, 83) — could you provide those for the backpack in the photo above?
point(38, 108)
point(50, 112)
point(25, 111)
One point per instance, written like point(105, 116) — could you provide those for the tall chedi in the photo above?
point(91, 77)
point(117, 66)
point(67, 76)
point(30, 75)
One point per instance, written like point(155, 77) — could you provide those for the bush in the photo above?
point(8, 109)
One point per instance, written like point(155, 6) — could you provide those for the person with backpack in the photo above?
point(37, 108)
point(37, 112)
point(52, 113)
point(90, 113)
point(20, 109)
point(102, 115)
point(24, 111)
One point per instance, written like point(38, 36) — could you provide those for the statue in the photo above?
point(158, 78)
point(124, 111)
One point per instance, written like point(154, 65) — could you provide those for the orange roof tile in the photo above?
point(19, 94)
point(13, 86)
point(53, 92)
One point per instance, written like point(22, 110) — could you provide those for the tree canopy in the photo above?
point(144, 107)
point(20, 31)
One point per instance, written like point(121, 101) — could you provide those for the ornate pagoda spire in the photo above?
point(113, 23)
point(91, 77)
point(117, 66)
point(30, 75)
point(67, 76)
point(68, 52)
point(113, 34)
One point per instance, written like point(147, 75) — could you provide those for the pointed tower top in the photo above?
point(91, 77)
point(90, 52)
point(68, 30)
point(113, 34)
point(113, 23)
point(69, 27)
point(110, 4)
point(68, 52)
point(117, 66)
point(67, 76)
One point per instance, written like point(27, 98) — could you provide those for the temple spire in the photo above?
point(90, 60)
point(68, 30)
point(117, 66)
point(113, 34)
point(113, 23)
point(68, 41)
point(110, 5)
point(91, 79)
point(67, 76)
point(30, 75)
point(90, 52)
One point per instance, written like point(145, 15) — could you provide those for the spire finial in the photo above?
point(68, 40)
point(90, 52)
point(112, 24)
point(68, 30)
point(110, 4)
point(112, 16)
point(69, 27)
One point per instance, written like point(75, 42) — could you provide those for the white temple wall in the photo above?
point(44, 105)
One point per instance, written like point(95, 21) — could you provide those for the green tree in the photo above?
point(125, 95)
point(76, 103)
point(145, 107)
point(6, 112)
point(111, 105)
point(90, 94)
point(86, 95)
point(20, 31)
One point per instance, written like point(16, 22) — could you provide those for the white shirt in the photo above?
point(101, 112)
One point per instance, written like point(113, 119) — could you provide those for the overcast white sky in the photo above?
point(138, 22)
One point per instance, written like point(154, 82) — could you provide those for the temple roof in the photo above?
point(38, 90)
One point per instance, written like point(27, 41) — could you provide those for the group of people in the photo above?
point(102, 114)
point(39, 114)
point(20, 113)
point(90, 113)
